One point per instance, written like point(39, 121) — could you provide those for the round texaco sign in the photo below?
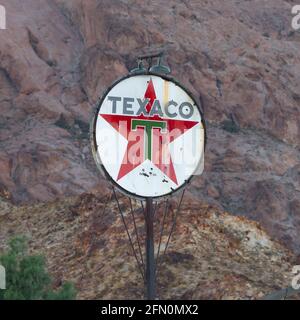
point(148, 136)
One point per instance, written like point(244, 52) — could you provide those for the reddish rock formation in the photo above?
point(242, 57)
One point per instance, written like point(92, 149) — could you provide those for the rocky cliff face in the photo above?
point(241, 57)
point(212, 254)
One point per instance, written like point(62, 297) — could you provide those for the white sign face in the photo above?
point(148, 136)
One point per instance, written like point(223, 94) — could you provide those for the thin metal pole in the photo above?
point(128, 234)
point(171, 232)
point(150, 260)
point(137, 234)
point(174, 220)
point(161, 232)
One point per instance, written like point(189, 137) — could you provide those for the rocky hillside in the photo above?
point(212, 255)
point(239, 58)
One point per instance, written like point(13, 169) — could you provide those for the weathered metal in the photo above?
point(150, 259)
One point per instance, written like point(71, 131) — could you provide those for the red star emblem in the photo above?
point(163, 131)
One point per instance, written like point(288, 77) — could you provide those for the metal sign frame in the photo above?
point(93, 123)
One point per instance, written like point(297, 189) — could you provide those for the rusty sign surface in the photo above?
point(148, 136)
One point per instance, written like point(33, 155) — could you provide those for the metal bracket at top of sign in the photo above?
point(159, 68)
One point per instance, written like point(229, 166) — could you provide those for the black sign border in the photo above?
point(94, 146)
